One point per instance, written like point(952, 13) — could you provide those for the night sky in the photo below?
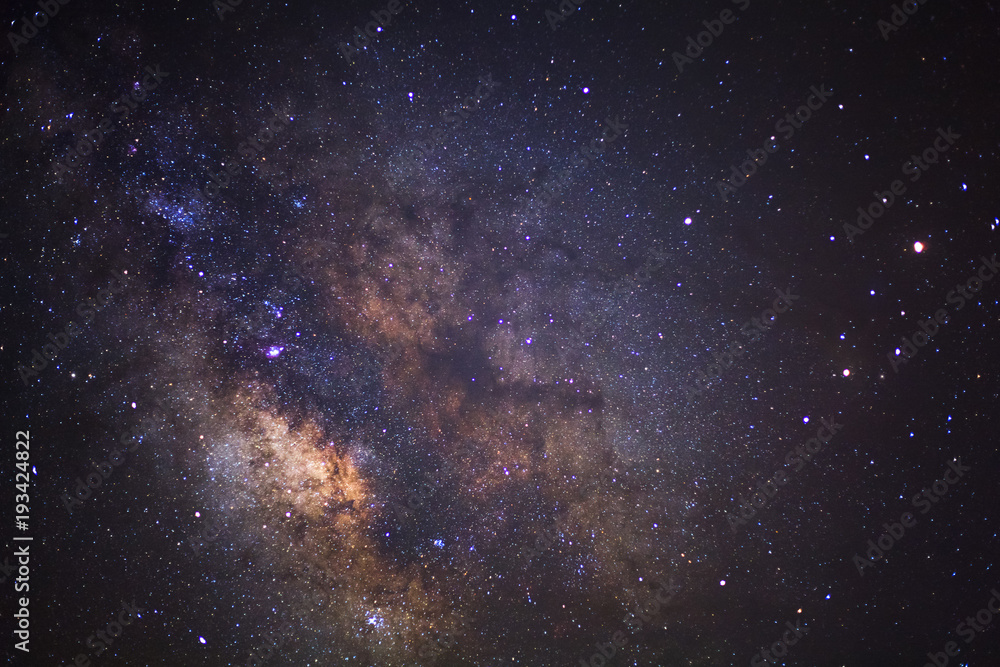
point(650, 334)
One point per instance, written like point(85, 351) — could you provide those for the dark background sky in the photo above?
point(343, 320)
